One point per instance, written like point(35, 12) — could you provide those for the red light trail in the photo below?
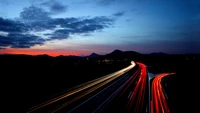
point(158, 101)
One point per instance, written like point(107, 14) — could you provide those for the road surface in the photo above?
point(159, 102)
point(124, 91)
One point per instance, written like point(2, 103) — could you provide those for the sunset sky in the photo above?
point(81, 27)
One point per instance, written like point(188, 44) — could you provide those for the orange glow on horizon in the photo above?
point(54, 53)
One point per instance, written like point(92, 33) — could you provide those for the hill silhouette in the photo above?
point(94, 55)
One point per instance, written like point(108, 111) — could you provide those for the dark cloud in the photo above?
point(89, 28)
point(34, 13)
point(16, 37)
point(16, 40)
point(105, 2)
point(42, 25)
point(60, 34)
point(89, 22)
point(67, 26)
point(38, 19)
point(64, 22)
point(34, 19)
point(118, 14)
point(79, 26)
point(8, 25)
point(54, 6)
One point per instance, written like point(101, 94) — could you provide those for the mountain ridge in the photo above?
point(115, 52)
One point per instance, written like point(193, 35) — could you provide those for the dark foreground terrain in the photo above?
point(29, 80)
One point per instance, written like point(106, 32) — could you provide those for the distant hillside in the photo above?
point(123, 54)
point(114, 54)
point(94, 55)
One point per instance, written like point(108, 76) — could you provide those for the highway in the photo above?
point(123, 91)
point(159, 102)
point(80, 91)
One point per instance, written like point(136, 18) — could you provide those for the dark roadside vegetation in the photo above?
point(30, 80)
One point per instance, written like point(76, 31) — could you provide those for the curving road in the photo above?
point(158, 98)
point(80, 91)
point(124, 91)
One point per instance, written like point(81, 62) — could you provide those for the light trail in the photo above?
point(88, 91)
point(138, 94)
point(104, 79)
point(96, 94)
point(135, 75)
point(158, 101)
point(101, 106)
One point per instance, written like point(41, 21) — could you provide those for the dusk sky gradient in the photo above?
point(81, 27)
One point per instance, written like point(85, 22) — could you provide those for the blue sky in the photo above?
point(80, 27)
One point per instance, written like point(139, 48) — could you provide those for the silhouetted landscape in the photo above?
point(29, 80)
point(99, 56)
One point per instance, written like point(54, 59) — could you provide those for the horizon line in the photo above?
point(97, 54)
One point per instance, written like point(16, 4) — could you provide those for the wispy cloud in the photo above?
point(55, 6)
point(105, 2)
point(118, 14)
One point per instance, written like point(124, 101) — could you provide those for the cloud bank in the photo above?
point(34, 22)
